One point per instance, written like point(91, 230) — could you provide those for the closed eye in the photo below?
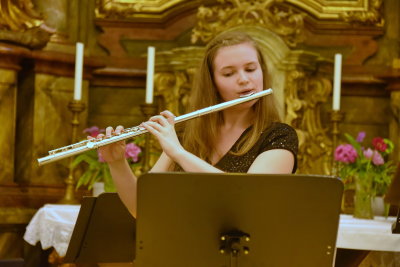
point(251, 69)
point(228, 74)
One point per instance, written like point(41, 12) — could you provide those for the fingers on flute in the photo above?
point(100, 136)
point(109, 131)
point(169, 116)
point(159, 119)
point(151, 127)
point(154, 125)
point(119, 129)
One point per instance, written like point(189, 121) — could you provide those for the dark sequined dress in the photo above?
point(278, 136)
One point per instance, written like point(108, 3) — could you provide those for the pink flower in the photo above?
point(377, 158)
point(132, 151)
point(379, 144)
point(368, 153)
point(345, 153)
point(93, 131)
point(360, 137)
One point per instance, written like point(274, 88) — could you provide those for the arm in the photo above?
point(277, 161)
point(279, 147)
point(192, 163)
point(126, 182)
point(124, 179)
point(162, 127)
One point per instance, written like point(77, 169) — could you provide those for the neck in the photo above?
point(237, 119)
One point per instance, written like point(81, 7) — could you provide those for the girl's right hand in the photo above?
point(115, 151)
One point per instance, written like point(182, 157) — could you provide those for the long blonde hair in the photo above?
point(199, 134)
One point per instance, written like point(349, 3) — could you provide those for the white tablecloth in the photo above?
point(52, 225)
point(362, 234)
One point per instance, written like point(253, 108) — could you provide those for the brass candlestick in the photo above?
point(76, 107)
point(336, 117)
point(148, 110)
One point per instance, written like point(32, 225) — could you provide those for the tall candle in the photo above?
point(150, 74)
point(78, 71)
point(337, 78)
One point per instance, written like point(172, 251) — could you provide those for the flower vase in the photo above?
point(363, 197)
point(98, 188)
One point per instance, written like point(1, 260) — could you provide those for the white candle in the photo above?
point(337, 78)
point(150, 74)
point(78, 71)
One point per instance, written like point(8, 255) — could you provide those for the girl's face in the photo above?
point(237, 71)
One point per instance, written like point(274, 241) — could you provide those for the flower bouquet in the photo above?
point(97, 169)
point(366, 170)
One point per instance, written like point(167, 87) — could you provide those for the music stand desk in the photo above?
point(292, 220)
point(104, 232)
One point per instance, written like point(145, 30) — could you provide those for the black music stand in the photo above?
point(393, 197)
point(104, 232)
point(197, 220)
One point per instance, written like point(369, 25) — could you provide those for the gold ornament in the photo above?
point(270, 14)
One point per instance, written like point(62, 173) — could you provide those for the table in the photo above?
point(52, 225)
point(364, 234)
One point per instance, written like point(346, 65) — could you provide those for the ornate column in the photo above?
point(9, 67)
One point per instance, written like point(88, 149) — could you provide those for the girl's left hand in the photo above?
point(162, 127)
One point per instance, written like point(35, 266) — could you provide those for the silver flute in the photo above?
point(83, 146)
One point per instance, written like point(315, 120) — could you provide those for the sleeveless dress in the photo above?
point(278, 136)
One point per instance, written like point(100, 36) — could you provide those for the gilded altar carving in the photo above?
point(20, 23)
point(366, 11)
point(18, 15)
point(353, 10)
point(304, 95)
point(372, 16)
point(282, 20)
point(172, 82)
point(135, 8)
point(172, 87)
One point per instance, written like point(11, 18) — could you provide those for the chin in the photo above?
point(245, 106)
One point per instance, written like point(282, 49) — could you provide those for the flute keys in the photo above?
point(90, 145)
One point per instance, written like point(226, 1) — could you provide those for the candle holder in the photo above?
point(148, 110)
point(76, 107)
point(336, 117)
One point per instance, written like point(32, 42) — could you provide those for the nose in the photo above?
point(243, 78)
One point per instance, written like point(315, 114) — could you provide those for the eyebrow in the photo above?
point(232, 67)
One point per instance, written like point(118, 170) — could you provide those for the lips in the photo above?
point(246, 93)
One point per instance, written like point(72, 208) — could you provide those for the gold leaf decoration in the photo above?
point(136, 9)
point(304, 114)
point(270, 14)
point(18, 15)
point(369, 17)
